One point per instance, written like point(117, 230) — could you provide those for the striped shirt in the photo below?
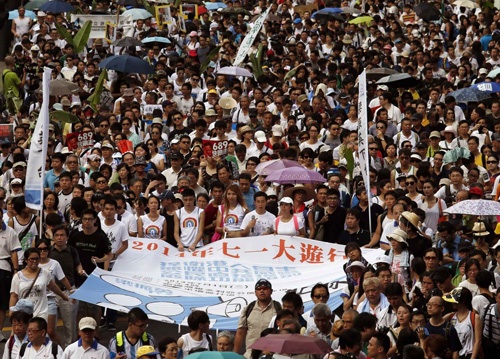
point(492, 313)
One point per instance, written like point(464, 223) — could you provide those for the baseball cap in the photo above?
point(286, 200)
point(482, 71)
point(35, 48)
point(496, 136)
point(175, 156)
point(87, 323)
point(167, 195)
point(383, 87)
point(16, 181)
point(435, 134)
point(357, 264)
point(263, 283)
point(260, 136)
point(297, 21)
point(476, 191)
point(20, 163)
point(277, 130)
point(147, 350)
point(210, 112)
point(301, 98)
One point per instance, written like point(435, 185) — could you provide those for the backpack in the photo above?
point(120, 346)
point(448, 197)
point(277, 307)
point(490, 299)
point(55, 349)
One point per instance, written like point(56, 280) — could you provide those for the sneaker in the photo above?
point(111, 327)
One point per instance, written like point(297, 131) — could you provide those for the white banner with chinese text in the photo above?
point(218, 278)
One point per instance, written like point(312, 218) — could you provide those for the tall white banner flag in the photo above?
point(35, 173)
point(247, 42)
point(364, 157)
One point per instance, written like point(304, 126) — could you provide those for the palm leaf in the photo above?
point(291, 73)
point(95, 98)
point(349, 157)
point(210, 57)
point(64, 33)
point(82, 37)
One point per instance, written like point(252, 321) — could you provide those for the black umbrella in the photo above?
point(379, 72)
point(235, 10)
point(399, 80)
point(427, 11)
point(127, 41)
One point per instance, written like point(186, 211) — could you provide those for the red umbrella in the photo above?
point(202, 10)
point(291, 344)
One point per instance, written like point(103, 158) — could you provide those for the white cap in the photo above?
point(286, 200)
point(277, 130)
point(87, 323)
point(260, 136)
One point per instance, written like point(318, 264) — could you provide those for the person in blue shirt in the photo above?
point(448, 241)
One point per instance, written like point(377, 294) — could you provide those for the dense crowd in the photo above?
point(144, 169)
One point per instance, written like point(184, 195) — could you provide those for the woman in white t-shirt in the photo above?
point(54, 268)
point(32, 282)
point(433, 206)
point(231, 212)
point(472, 266)
point(288, 223)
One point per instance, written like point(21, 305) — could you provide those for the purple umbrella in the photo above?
point(294, 175)
point(268, 167)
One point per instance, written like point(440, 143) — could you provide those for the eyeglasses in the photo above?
point(373, 148)
point(319, 296)
point(88, 219)
point(262, 288)
point(430, 258)
point(433, 305)
point(490, 162)
point(101, 182)
point(410, 183)
point(195, 163)
point(177, 118)
point(72, 162)
point(18, 169)
point(37, 259)
point(195, 80)
point(103, 126)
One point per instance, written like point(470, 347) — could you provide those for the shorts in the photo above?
point(5, 281)
point(51, 301)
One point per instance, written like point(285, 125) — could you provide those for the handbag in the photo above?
point(442, 216)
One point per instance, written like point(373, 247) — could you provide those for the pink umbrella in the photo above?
point(294, 175)
point(291, 344)
point(268, 167)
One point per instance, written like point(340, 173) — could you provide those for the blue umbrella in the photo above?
point(127, 64)
point(15, 14)
point(328, 13)
point(57, 7)
point(155, 40)
point(487, 86)
point(470, 94)
point(213, 6)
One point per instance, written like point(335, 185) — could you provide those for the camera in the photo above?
point(480, 129)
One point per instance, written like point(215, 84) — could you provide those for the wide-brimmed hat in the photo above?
point(412, 218)
point(398, 235)
point(310, 194)
point(479, 230)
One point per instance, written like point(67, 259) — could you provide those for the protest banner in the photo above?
point(363, 155)
point(163, 16)
point(148, 110)
point(213, 148)
point(35, 172)
point(80, 140)
point(247, 42)
point(110, 32)
point(301, 9)
point(98, 29)
point(218, 278)
point(7, 132)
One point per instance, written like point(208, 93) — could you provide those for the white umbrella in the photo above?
point(466, 3)
point(475, 207)
point(138, 14)
point(234, 71)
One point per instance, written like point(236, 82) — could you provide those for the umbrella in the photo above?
point(268, 167)
point(34, 4)
point(57, 7)
point(399, 80)
point(328, 13)
point(213, 6)
point(350, 10)
point(469, 94)
point(234, 71)
point(235, 10)
point(138, 14)
point(132, 3)
point(215, 355)
point(466, 3)
point(475, 207)
point(127, 64)
point(202, 9)
point(361, 20)
point(378, 73)
point(494, 73)
point(487, 86)
point(127, 41)
point(295, 175)
point(64, 117)
point(63, 87)
point(453, 155)
point(270, 17)
point(291, 344)
point(427, 11)
point(155, 40)
point(15, 14)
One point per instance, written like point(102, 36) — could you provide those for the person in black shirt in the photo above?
point(417, 244)
point(354, 233)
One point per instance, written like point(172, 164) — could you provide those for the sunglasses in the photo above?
point(489, 162)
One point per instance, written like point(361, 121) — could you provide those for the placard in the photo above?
point(110, 32)
point(82, 140)
point(212, 148)
point(98, 29)
point(163, 16)
point(301, 9)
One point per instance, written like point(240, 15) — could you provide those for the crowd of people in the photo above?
point(148, 174)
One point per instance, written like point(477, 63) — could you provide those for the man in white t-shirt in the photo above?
point(259, 221)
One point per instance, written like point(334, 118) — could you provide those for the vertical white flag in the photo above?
point(35, 173)
point(363, 155)
point(247, 42)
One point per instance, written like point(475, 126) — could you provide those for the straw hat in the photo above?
point(479, 230)
point(412, 218)
point(310, 194)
